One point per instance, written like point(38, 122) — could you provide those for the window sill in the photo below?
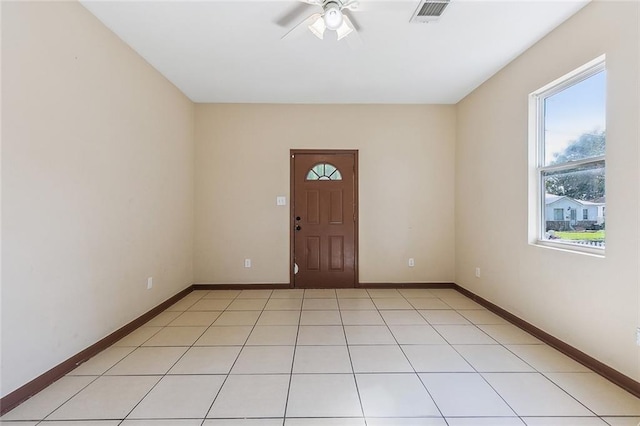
point(571, 248)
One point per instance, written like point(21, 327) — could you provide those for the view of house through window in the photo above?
point(571, 139)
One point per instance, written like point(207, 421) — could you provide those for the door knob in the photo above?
point(298, 227)
point(297, 217)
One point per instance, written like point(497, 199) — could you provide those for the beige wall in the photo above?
point(98, 189)
point(97, 186)
point(590, 303)
point(406, 173)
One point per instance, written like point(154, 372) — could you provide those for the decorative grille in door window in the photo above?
point(324, 171)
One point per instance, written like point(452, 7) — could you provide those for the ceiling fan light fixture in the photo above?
point(318, 27)
point(333, 18)
point(344, 30)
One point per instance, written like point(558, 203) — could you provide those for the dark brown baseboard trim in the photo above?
point(26, 391)
point(625, 382)
point(23, 393)
point(266, 286)
point(408, 285)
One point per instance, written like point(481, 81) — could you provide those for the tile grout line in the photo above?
point(353, 370)
point(103, 374)
point(471, 365)
point(162, 376)
point(570, 395)
point(234, 362)
point(409, 362)
point(293, 361)
point(65, 401)
point(295, 346)
point(484, 379)
point(188, 348)
point(535, 371)
point(203, 333)
point(503, 345)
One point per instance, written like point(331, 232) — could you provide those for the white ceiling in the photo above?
point(232, 52)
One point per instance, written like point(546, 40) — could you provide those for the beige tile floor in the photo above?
point(382, 357)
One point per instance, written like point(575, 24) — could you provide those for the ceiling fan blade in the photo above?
point(352, 5)
point(377, 5)
point(293, 15)
point(302, 25)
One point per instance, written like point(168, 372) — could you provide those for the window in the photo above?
point(558, 214)
point(324, 171)
point(568, 128)
point(574, 215)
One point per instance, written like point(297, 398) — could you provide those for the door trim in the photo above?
point(292, 154)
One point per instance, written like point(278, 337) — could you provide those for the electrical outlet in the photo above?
point(638, 336)
point(247, 263)
point(149, 283)
point(412, 262)
point(477, 272)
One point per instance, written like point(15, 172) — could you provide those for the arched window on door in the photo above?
point(324, 171)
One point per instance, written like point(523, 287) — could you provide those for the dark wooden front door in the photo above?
point(324, 219)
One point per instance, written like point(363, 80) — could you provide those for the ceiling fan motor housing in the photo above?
point(332, 15)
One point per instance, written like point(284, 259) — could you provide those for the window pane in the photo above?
point(570, 191)
point(584, 183)
point(324, 171)
point(575, 121)
point(558, 214)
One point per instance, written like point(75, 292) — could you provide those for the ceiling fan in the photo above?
point(333, 18)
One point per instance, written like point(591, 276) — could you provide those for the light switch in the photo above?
point(281, 200)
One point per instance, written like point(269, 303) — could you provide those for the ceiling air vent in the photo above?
point(429, 10)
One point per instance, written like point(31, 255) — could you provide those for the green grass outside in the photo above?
point(586, 235)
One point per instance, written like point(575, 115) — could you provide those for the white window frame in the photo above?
point(537, 190)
